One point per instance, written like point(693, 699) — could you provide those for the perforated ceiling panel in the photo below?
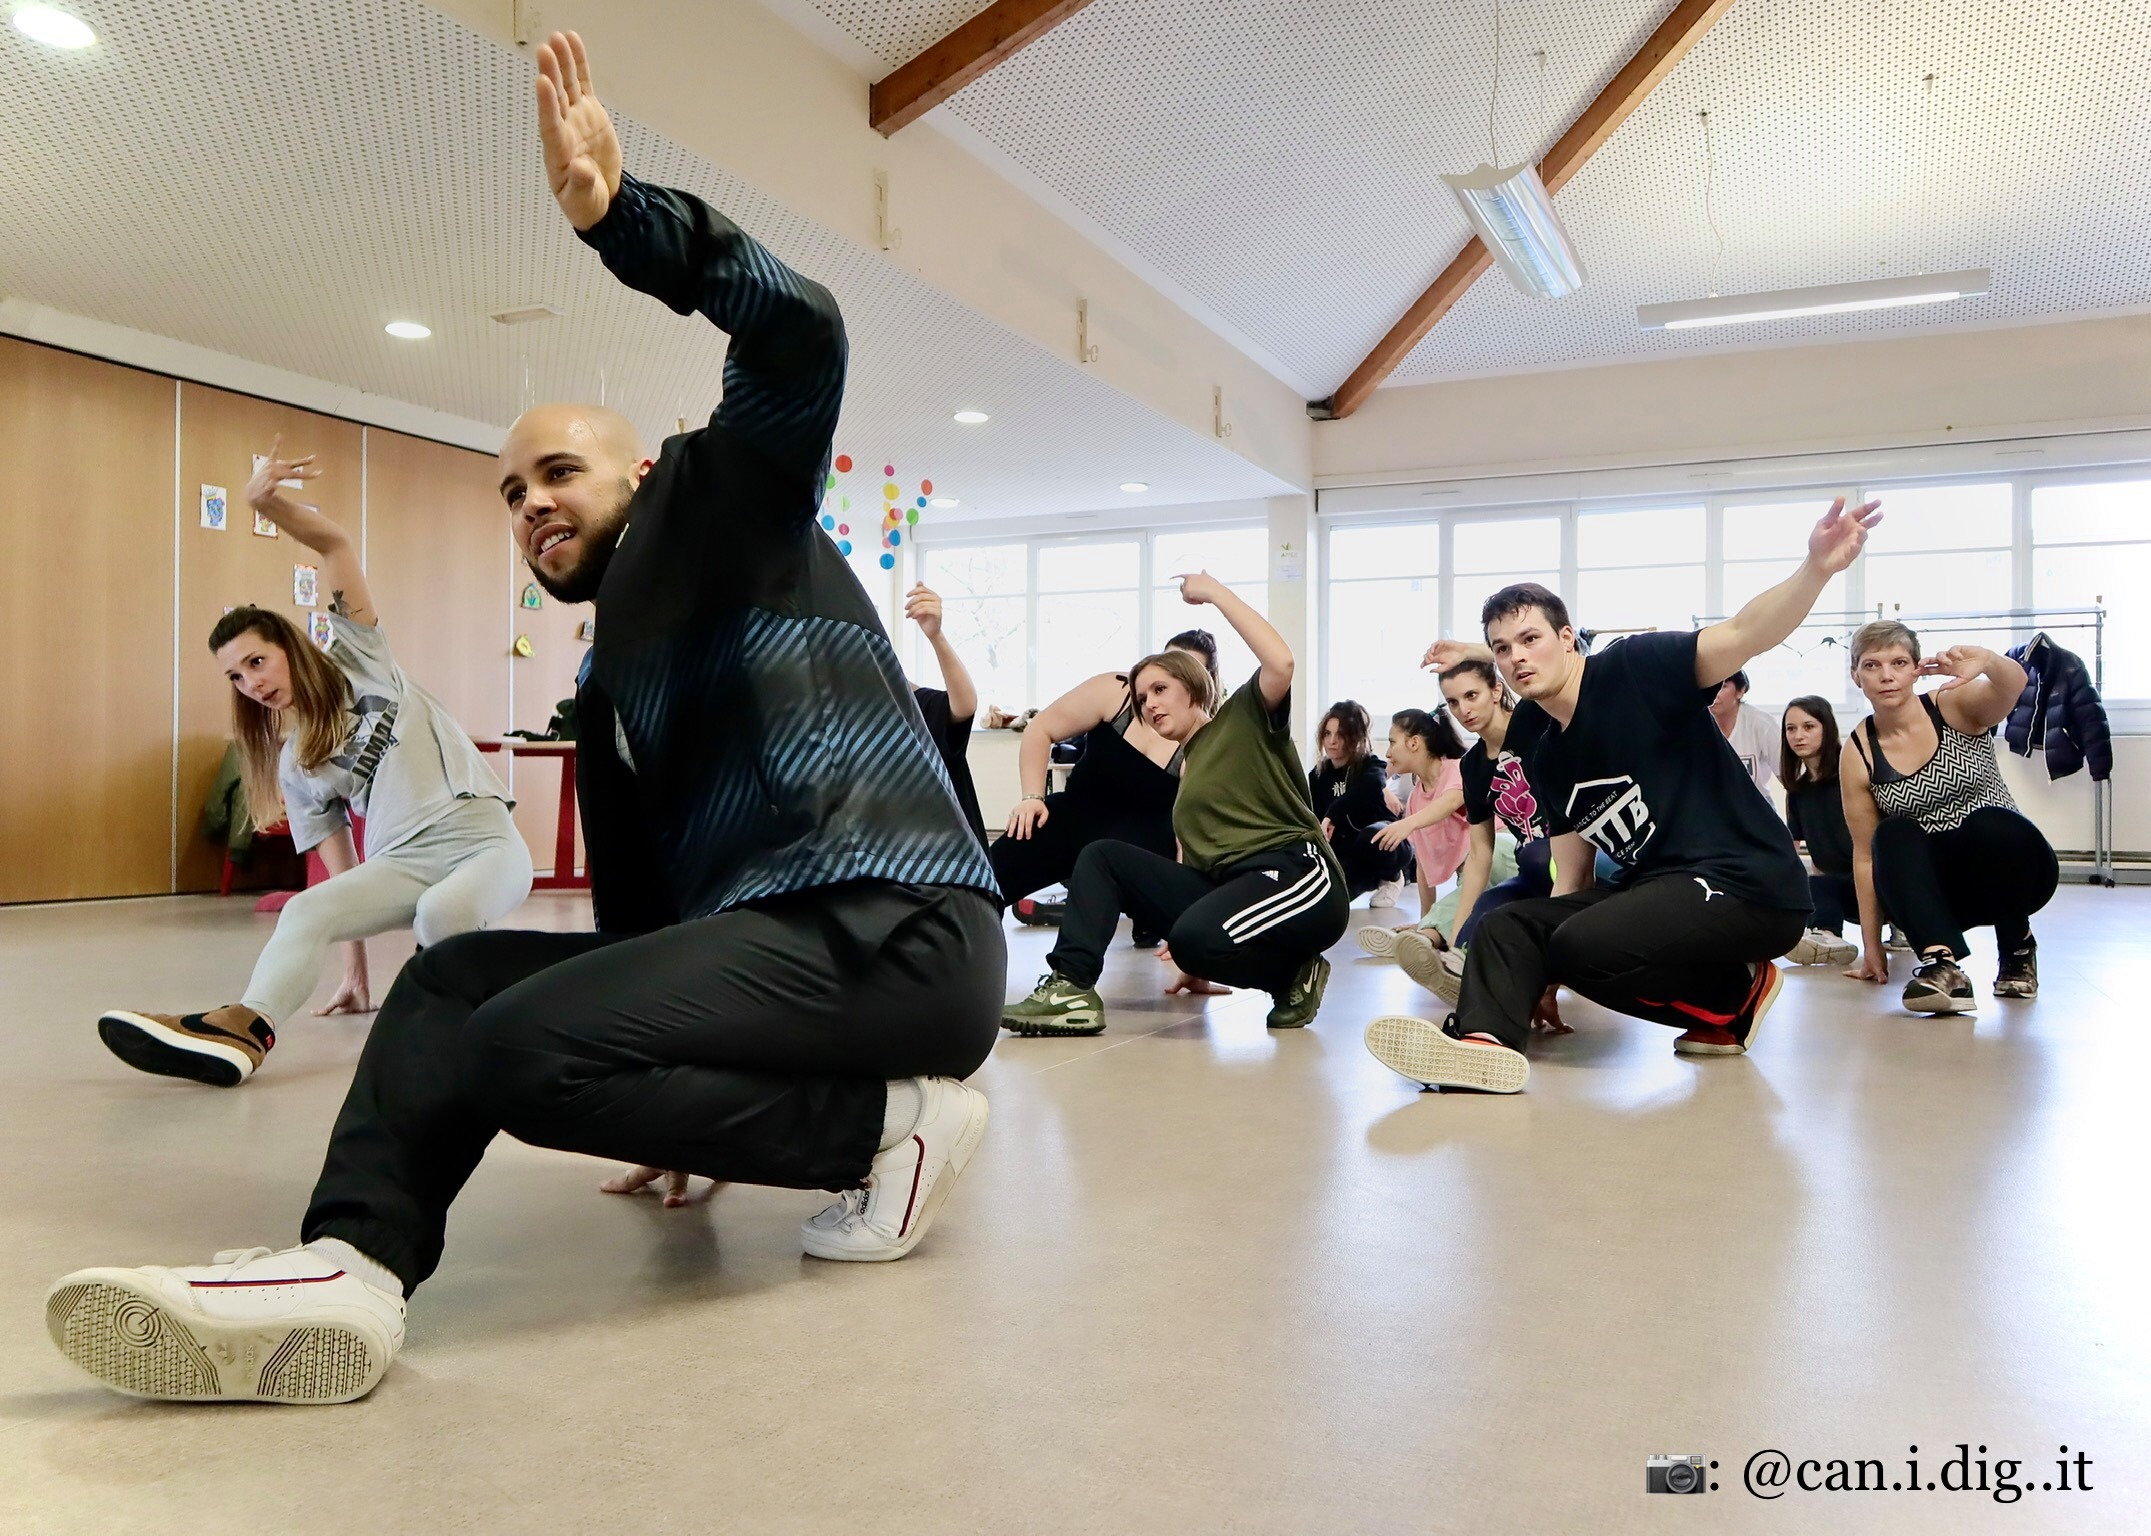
point(1281, 160)
point(277, 182)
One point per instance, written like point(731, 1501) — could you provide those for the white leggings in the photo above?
point(466, 871)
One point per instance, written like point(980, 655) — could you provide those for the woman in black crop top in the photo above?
point(1122, 787)
point(1347, 787)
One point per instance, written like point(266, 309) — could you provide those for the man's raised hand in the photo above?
point(582, 152)
point(1837, 539)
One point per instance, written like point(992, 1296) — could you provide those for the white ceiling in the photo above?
point(276, 182)
point(1279, 160)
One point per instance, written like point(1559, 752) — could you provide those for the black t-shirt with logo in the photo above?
point(1643, 773)
point(1499, 786)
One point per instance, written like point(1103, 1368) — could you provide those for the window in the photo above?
point(1384, 610)
point(1088, 612)
point(985, 617)
point(2091, 544)
point(1765, 542)
point(1489, 554)
point(1944, 549)
point(1638, 569)
point(1240, 558)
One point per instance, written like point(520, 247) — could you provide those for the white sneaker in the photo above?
point(1429, 1055)
point(1386, 894)
point(907, 1183)
point(1819, 946)
point(1427, 965)
point(1378, 940)
point(249, 1326)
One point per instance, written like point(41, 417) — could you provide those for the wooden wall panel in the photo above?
point(85, 628)
point(436, 538)
point(220, 433)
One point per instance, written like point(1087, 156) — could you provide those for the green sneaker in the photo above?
point(1056, 1007)
point(1297, 1008)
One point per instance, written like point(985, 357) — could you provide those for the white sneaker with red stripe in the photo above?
point(249, 1326)
point(907, 1183)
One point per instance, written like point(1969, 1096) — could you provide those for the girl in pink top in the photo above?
point(1426, 747)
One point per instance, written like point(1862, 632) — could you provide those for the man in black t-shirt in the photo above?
point(1625, 760)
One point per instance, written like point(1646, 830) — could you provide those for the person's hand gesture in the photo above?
point(1837, 539)
point(922, 606)
point(268, 481)
point(1958, 663)
point(1028, 816)
point(1444, 654)
point(582, 152)
point(1874, 966)
point(1180, 984)
point(1391, 835)
point(636, 1180)
point(1199, 587)
point(1546, 1014)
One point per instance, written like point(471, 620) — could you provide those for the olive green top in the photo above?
point(1242, 789)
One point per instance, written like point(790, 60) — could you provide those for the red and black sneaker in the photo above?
point(222, 1047)
point(1736, 1034)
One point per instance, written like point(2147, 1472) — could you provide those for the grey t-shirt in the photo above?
point(403, 764)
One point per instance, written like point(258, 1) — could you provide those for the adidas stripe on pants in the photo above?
point(1252, 924)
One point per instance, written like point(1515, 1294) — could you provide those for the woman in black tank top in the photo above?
point(1122, 787)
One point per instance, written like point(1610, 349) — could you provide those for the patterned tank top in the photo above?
point(1963, 776)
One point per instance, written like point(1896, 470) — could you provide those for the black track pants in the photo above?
point(754, 1046)
point(1253, 924)
point(1997, 868)
point(1670, 950)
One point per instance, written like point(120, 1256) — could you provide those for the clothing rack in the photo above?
point(2017, 622)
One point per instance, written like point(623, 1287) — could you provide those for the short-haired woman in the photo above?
point(1937, 840)
point(1808, 750)
point(1257, 893)
point(1347, 787)
point(324, 738)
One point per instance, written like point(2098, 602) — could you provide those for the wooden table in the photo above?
point(564, 876)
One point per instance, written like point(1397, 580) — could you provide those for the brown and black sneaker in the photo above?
point(2019, 973)
point(1939, 986)
point(221, 1047)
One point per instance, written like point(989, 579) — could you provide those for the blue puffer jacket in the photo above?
point(2060, 711)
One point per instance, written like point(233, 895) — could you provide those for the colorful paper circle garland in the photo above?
point(895, 514)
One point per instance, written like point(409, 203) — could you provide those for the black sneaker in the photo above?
point(1939, 986)
point(2019, 975)
point(1297, 1008)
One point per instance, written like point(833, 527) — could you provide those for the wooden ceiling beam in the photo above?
point(1687, 22)
point(912, 90)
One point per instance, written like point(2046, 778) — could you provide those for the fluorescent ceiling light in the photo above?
point(1513, 213)
point(1132, 486)
point(407, 330)
point(972, 418)
point(1827, 299)
point(53, 28)
point(944, 501)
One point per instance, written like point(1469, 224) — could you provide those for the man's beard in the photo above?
point(580, 582)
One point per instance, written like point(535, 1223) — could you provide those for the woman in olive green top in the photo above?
point(1256, 895)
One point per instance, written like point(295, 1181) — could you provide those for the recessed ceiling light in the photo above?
point(972, 418)
point(944, 501)
point(53, 28)
point(408, 330)
point(1135, 485)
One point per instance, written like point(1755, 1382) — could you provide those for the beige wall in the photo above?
point(108, 741)
point(732, 82)
point(1897, 391)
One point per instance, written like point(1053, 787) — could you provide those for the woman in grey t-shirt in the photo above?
point(323, 738)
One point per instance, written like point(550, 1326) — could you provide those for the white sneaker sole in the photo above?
point(1811, 951)
point(1378, 941)
point(1419, 1050)
point(1941, 1004)
point(1421, 961)
point(831, 1245)
point(117, 1327)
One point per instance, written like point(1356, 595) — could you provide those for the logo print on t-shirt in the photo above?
point(373, 732)
point(1514, 802)
point(1611, 814)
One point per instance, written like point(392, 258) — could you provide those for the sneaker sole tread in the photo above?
point(121, 1333)
point(1418, 1049)
point(1422, 962)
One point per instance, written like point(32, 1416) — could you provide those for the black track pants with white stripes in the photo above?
point(1253, 924)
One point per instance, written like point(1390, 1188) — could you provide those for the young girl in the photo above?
point(1257, 893)
point(323, 738)
point(1347, 789)
point(1815, 810)
point(1940, 846)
